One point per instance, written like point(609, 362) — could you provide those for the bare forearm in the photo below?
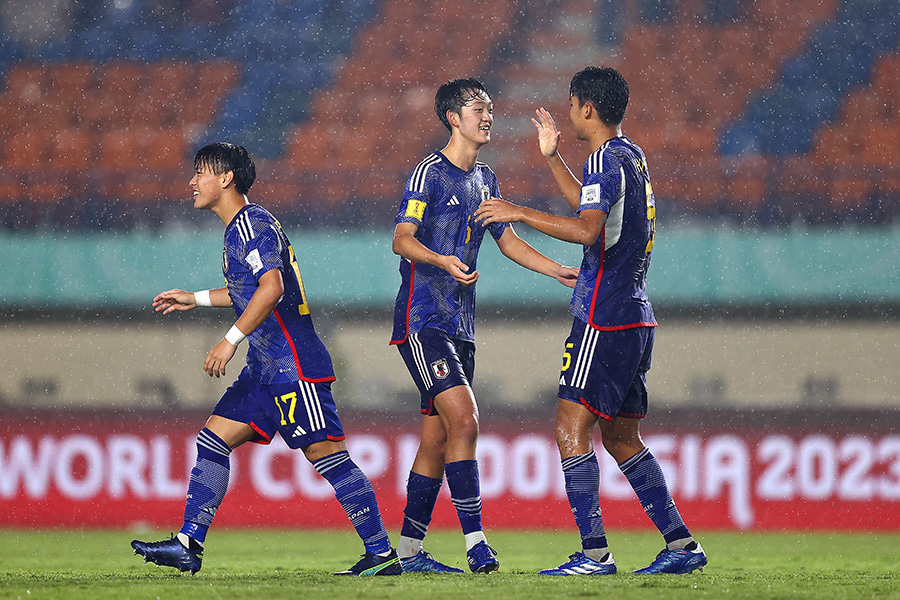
point(566, 180)
point(220, 298)
point(410, 248)
point(524, 254)
point(568, 229)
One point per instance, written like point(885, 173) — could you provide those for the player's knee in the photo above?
point(622, 448)
point(464, 429)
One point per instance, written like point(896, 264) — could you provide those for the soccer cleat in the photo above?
point(372, 564)
point(676, 561)
point(423, 562)
point(579, 564)
point(169, 553)
point(482, 558)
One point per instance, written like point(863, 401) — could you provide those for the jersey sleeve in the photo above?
point(414, 205)
point(601, 190)
point(263, 252)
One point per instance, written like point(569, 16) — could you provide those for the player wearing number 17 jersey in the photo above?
point(607, 353)
point(285, 387)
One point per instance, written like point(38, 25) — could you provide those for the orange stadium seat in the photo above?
point(119, 149)
point(26, 150)
point(72, 149)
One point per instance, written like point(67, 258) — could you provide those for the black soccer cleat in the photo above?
point(372, 564)
point(169, 553)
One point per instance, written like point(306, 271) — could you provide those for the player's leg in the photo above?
point(422, 488)
point(622, 439)
point(682, 554)
point(442, 369)
point(354, 492)
point(581, 471)
point(459, 414)
point(224, 431)
point(575, 422)
point(305, 415)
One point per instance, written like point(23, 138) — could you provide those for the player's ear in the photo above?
point(227, 177)
point(453, 118)
point(587, 110)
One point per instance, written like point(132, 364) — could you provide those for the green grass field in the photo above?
point(38, 565)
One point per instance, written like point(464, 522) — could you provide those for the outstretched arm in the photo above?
point(181, 300)
point(261, 305)
point(548, 140)
point(519, 251)
point(406, 245)
point(584, 228)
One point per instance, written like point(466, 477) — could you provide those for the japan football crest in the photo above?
point(485, 193)
point(440, 368)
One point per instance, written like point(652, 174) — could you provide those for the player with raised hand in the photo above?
point(434, 320)
point(607, 353)
point(285, 386)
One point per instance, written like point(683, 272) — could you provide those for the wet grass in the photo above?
point(298, 564)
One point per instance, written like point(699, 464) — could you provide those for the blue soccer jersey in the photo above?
point(611, 289)
point(441, 199)
point(285, 347)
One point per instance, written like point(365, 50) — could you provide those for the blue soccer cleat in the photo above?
point(579, 564)
point(372, 564)
point(169, 553)
point(676, 561)
point(482, 558)
point(423, 562)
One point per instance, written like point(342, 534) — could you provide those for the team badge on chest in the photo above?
point(440, 368)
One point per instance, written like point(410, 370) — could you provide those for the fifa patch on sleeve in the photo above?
point(590, 194)
point(254, 261)
point(415, 209)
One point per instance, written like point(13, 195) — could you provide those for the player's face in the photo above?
point(206, 187)
point(577, 117)
point(476, 118)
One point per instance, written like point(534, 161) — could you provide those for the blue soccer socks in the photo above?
point(421, 496)
point(646, 478)
point(582, 476)
point(208, 484)
point(354, 491)
point(465, 493)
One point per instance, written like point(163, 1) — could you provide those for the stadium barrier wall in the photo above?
point(155, 362)
point(738, 470)
point(350, 269)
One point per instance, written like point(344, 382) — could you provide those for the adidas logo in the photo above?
point(454, 201)
point(298, 432)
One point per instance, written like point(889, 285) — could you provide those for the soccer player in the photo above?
point(286, 384)
point(607, 353)
point(434, 319)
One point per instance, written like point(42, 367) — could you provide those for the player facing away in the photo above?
point(607, 353)
point(285, 386)
point(434, 319)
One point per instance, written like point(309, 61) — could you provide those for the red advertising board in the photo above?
point(117, 471)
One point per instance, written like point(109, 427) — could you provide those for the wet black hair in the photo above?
point(222, 157)
point(605, 89)
point(454, 94)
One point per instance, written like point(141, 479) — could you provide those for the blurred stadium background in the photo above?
point(773, 138)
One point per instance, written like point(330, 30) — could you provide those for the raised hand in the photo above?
point(548, 134)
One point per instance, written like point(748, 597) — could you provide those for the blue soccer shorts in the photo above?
point(302, 412)
point(606, 370)
point(437, 363)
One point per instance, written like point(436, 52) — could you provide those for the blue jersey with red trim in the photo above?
point(285, 347)
point(441, 199)
point(611, 291)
